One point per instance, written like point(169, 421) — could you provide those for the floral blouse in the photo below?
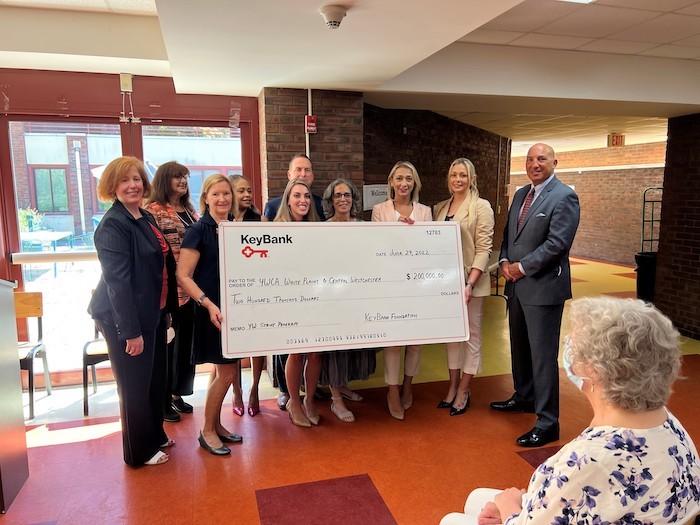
point(610, 475)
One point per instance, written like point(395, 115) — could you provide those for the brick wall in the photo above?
point(611, 208)
point(652, 153)
point(431, 142)
point(678, 272)
point(336, 150)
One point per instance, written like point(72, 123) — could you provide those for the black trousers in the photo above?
point(534, 347)
point(180, 369)
point(140, 384)
point(279, 362)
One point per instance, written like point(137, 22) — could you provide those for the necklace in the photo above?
point(183, 221)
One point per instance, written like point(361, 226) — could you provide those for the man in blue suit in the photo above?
point(542, 223)
point(300, 167)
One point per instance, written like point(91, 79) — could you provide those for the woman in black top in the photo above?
point(198, 275)
point(129, 305)
point(243, 210)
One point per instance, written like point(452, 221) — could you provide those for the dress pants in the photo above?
point(534, 348)
point(392, 363)
point(280, 362)
point(140, 385)
point(181, 370)
point(466, 355)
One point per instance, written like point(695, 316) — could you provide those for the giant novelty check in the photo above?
point(299, 287)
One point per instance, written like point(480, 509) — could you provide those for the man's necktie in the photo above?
point(526, 207)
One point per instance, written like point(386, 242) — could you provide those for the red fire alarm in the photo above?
point(310, 122)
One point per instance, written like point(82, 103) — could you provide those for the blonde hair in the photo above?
point(630, 345)
point(212, 179)
point(415, 192)
point(283, 214)
point(112, 174)
point(473, 195)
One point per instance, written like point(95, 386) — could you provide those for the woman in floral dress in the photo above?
point(635, 463)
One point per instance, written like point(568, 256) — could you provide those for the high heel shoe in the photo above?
point(253, 411)
point(313, 418)
point(239, 411)
point(298, 420)
point(396, 414)
point(217, 451)
point(446, 404)
point(454, 411)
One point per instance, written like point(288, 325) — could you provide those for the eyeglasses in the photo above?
point(346, 196)
point(181, 176)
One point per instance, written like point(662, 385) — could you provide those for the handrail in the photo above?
point(53, 257)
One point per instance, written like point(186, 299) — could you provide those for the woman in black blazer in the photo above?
point(129, 305)
point(244, 210)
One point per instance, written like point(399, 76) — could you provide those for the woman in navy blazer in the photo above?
point(129, 305)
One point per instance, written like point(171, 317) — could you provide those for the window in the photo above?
point(50, 189)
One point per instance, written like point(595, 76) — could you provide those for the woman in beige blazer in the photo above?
point(476, 221)
point(404, 188)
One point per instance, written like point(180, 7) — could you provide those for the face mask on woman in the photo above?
point(575, 379)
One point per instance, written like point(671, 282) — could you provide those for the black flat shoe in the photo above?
point(445, 404)
point(454, 411)
point(513, 405)
point(220, 451)
point(538, 437)
point(179, 405)
point(170, 415)
point(231, 438)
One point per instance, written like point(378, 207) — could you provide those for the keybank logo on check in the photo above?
point(266, 239)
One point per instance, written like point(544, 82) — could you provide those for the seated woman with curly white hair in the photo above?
point(635, 463)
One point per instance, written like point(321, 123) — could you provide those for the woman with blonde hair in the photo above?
point(476, 222)
point(244, 210)
point(297, 206)
point(404, 190)
point(635, 463)
point(198, 275)
point(170, 204)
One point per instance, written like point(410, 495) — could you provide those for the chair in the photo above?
point(27, 305)
point(94, 352)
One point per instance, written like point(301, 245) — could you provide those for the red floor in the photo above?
point(414, 471)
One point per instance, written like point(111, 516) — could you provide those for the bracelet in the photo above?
point(201, 298)
point(470, 285)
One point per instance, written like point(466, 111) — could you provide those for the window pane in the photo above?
point(58, 156)
point(42, 183)
point(60, 193)
point(203, 150)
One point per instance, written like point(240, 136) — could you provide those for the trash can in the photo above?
point(646, 275)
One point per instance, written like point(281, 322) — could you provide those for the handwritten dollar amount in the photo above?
point(425, 276)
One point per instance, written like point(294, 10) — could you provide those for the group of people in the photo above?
point(160, 268)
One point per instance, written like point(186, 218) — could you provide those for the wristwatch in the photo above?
point(201, 298)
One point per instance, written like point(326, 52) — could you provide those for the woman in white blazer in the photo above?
point(476, 221)
point(404, 188)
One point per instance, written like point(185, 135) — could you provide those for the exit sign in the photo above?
point(616, 140)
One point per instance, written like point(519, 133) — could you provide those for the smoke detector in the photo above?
point(333, 15)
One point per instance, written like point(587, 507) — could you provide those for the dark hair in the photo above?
point(160, 191)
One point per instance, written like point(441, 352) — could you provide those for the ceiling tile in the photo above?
point(616, 46)
point(663, 6)
point(663, 29)
point(598, 21)
point(690, 10)
point(531, 15)
point(673, 52)
point(489, 36)
point(549, 41)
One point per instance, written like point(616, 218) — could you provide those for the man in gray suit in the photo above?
point(542, 223)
